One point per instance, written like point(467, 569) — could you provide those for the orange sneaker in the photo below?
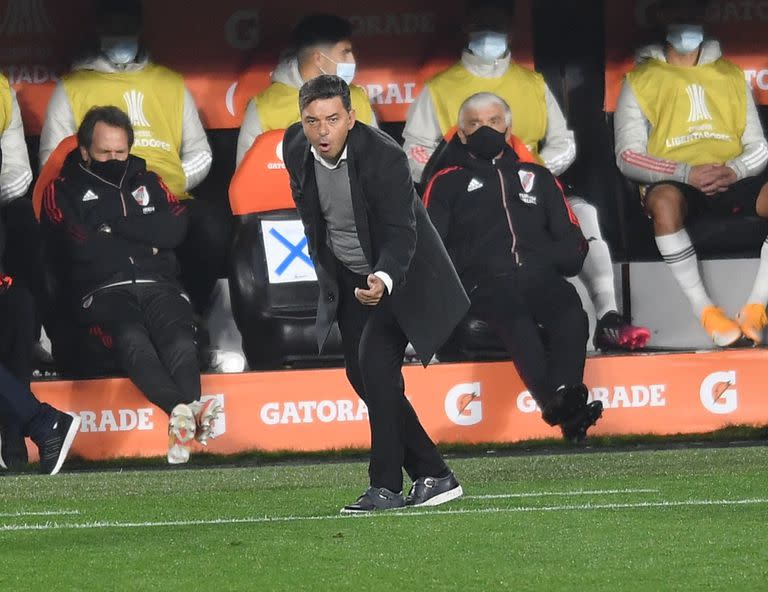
point(752, 320)
point(723, 330)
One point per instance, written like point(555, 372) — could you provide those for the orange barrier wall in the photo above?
point(226, 49)
point(739, 25)
point(315, 410)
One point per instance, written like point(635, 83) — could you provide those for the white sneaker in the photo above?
point(205, 414)
point(226, 362)
point(181, 432)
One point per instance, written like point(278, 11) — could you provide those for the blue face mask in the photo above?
point(120, 50)
point(488, 45)
point(344, 70)
point(685, 38)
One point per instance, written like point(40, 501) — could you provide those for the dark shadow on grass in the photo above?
point(731, 436)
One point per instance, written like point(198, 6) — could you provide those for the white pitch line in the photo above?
point(40, 513)
point(559, 493)
point(390, 514)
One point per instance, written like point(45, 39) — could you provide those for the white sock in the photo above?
point(759, 293)
point(597, 272)
point(680, 256)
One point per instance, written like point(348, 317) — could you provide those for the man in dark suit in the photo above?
point(384, 275)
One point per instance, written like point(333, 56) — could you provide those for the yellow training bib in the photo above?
point(697, 114)
point(153, 98)
point(278, 106)
point(521, 88)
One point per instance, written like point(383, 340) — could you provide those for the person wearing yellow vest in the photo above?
point(15, 173)
point(687, 129)
point(15, 178)
point(321, 45)
point(486, 66)
point(169, 135)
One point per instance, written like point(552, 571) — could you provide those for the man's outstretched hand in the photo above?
point(373, 294)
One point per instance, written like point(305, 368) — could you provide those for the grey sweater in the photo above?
point(336, 205)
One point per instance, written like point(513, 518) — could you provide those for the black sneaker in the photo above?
point(564, 404)
point(575, 428)
point(433, 491)
point(374, 499)
point(55, 447)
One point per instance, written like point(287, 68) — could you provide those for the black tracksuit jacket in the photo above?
point(503, 216)
point(140, 211)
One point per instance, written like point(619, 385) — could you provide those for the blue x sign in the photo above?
point(294, 251)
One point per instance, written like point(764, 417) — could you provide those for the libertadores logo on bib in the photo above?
point(698, 98)
point(134, 101)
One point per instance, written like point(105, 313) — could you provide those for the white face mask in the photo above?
point(344, 70)
point(120, 50)
point(488, 45)
point(685, 38)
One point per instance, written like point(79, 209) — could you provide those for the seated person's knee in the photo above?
point(130, 337)
point(664, 202)
point(761, 206)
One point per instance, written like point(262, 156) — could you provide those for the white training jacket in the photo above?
point(15, 173)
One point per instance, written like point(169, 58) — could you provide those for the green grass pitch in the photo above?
point(683, 519)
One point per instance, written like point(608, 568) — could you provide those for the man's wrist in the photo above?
point(385, 277)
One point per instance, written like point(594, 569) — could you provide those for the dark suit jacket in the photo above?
point(395, 233)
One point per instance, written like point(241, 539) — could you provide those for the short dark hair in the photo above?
point(678, 12)
point(111, 115)
point(484, 14)
point(320, 29)
point(130, 11)
point(325, 86)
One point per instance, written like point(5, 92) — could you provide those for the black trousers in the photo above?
point(17, 331)
point(23, 256)
point(374, 345)
point(539, 317)
point(21, 414)
point(149, 329)
point(204, 254)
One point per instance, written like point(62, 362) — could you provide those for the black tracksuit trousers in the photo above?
point(538, 316)
point(150, 331)
point(21, 414)
point(204, 255)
